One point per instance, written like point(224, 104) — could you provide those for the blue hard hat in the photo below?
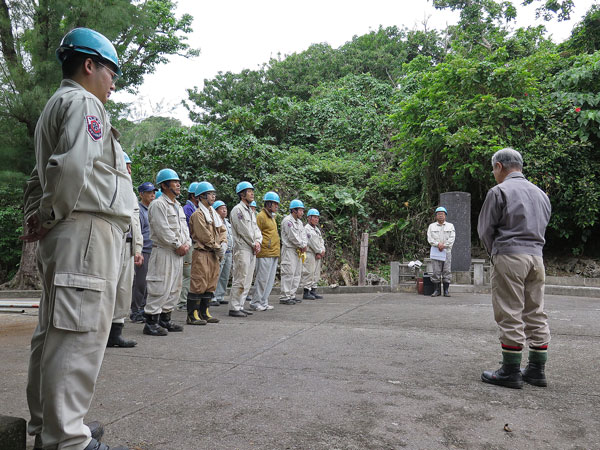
point(218, 204)
point(441, 209)
point(296, 204)
point(127, 158)
point(242, 186)
point(84, 40)
point(166, 175)
point(312, 212)
point(253, 203)
point(146, 187)
point(158, 193)
point(204, 186)
point(271, 197)
point(192, 188)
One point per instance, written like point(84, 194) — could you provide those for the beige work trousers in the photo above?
point(311, 271)
point(244, 261)
point(291, 271)
point(187, 275)
point(78, 261)
point(163, 280)
point(518, 300)
point(124, 286)
point(205, 272)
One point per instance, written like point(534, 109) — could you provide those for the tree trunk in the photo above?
point(27, 276)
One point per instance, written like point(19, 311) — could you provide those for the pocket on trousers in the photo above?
point(77, 301)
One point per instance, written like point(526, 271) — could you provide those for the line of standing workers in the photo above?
point(189, 253)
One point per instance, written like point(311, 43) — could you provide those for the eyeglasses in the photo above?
point(115, 76)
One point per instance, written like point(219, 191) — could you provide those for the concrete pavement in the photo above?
point(352, 371)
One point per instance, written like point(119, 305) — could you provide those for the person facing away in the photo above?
point(512, 224)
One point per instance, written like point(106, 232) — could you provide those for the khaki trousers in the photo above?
point(291, 271)
point(442, 270)
point(243, 271)
point(163, 280)
point(187, 274)
point(124, 286)
point(78, 261)
point(311, 271)
point(518, 300)
point(205, 272)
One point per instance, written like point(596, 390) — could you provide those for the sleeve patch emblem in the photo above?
point(94, 127)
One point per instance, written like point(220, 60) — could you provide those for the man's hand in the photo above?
point(182, 250)
point(138, 259)
point(318, 256)
point(256, 248)
point(33, 229)
point(441, 246)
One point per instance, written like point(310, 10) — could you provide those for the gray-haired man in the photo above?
point(512, 224)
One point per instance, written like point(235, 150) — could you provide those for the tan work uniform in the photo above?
point(445, 234)
point(245, 235)
point(168, 232)
point(80, 190)
point(311, 270)
point(133, 246)
point(209, 236)
point(293, 237)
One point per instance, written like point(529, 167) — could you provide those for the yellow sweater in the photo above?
point(270, 242)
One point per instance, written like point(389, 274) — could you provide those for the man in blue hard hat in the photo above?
point(225, 266)
point(441, 236)
point(78, 207)
point(268, 257)
point(170, 242)
point(189, 208)
point(293, 253)
point(315, 250)
point(147, 193)
point(248, 240)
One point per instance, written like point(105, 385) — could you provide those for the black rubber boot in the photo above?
point(508, 375)
point(166, 322)
point(193, 310)
point(152, 328)
point(535, 374)
point(95, 445)
point(436, 292)
point(313, 291)
point(96, 430)
point(115, 339)
point(307, 295)
point(446, 286)
point(204, 309)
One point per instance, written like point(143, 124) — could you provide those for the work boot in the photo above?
point(152, 327)
point(287, 301)
point(508, 375)
point(95, 445)
point(193, 306)
point(313, 291)
point(204, 310)
point(166, 322)
point(307, 295)
point(96, 429)
point(436, 292)
point(446, 286)
point(535, 374)
point(116, 340)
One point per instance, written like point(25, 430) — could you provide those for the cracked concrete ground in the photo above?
point(352, 371)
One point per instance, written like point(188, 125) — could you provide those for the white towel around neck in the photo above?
point(210, 215)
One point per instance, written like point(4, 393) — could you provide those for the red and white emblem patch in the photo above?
point(94, 127)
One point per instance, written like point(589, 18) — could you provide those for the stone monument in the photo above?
point(458, 205)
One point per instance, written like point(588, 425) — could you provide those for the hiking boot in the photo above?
point(508, 375)
point(152, 328)
point(166, 322)
point(313, 291)
point(535, 374)
point(307, 295)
